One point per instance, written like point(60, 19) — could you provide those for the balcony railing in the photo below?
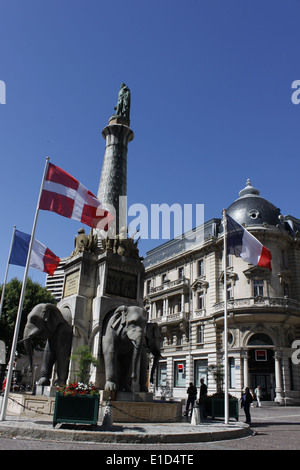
point(257, 302)
point(167, 285)
point(172, 317)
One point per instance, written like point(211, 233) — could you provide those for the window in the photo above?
point(179, 338)
point(228, 260)
point(258, 288)
point(148, 287)
point(229, 291)
point(163, 278)
point(200, 300)
point(180, 273)
point(200, 334)
point(161, 376)
point(200, 268)
point(200, 371)
point(179, 374)
point(284, 258)
point(286, 290)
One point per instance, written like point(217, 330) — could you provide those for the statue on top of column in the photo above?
point(123, 104)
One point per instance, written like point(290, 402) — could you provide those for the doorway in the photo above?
point(266, 382)
point(262, 371)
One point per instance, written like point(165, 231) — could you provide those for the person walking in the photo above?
point(257, 392)
point(246, 403)
point(192, 395)
point(202, 396)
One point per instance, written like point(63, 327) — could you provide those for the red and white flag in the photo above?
point(64, 195)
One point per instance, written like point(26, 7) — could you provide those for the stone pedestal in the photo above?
point(94, 287)
point(144, 397)
point(120, 283)
point(81, 280)
point(46, 391)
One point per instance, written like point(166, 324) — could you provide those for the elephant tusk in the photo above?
point(134, 344)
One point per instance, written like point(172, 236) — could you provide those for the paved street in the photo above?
point(275, 428)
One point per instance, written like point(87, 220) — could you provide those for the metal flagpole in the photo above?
point(21, 301)
point(6, 272)
point(226, 398)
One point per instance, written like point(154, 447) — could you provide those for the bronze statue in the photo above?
point(84, 242)
point(123, 104)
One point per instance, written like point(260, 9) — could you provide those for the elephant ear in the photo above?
point(119, 319)
point(52, 317)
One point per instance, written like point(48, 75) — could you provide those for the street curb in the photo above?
point(238, 430)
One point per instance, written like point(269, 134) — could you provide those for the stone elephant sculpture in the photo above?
point(47, 321)
point(122, 345)
point(153, 338)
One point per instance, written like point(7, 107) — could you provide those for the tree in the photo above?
point(34, 294)
point(85, 358)
point(218, 375)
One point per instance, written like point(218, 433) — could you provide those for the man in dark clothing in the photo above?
point(192, 395)
point(202, 396)
point(246, 402)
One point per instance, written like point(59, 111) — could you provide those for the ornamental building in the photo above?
point(184, 292)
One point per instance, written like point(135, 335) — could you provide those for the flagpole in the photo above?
point(21, 301)
point(226, 398)
point(6, 271)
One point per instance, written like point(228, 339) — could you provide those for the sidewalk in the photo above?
point(40, 427)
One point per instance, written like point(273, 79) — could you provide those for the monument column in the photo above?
point(113, 182)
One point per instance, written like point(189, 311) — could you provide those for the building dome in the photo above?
point(252, 209)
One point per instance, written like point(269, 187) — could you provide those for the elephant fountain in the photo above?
point(47, 321)
point(127, 337)
point(122, 345)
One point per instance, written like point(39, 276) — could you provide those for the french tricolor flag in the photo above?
point(41, 257)
point(242, 243)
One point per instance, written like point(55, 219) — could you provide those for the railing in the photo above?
point(273, 302)
point(172, 317)
point(170, 284)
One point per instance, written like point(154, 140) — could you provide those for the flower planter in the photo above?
point(81, 409)
point(214, 407)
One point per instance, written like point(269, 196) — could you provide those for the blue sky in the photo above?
point(211, 103)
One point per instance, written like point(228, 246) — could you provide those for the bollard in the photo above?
point(196, 415)
point(108, 417)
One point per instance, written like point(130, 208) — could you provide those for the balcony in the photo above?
point(177, 286)
point(258, 303)
point(172, 318)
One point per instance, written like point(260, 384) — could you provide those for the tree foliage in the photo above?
point(34, 294)
point(84, 359)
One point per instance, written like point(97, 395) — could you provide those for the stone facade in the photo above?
point(184, 294)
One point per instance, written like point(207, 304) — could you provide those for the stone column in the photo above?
point(182, 302)
point(113, 181)
point(150, 310)
point(245, 369)
point(278, 378)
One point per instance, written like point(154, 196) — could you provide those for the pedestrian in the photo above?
point(192, 395)
point(252, 395)
point(202, 397)
point(257, 392)
point(246, 403)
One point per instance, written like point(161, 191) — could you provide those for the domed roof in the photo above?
point(252, 209)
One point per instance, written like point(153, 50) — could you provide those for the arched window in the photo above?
point(260, 339)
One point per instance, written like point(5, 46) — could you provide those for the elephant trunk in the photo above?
point(29, 333)
point(138, 344)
